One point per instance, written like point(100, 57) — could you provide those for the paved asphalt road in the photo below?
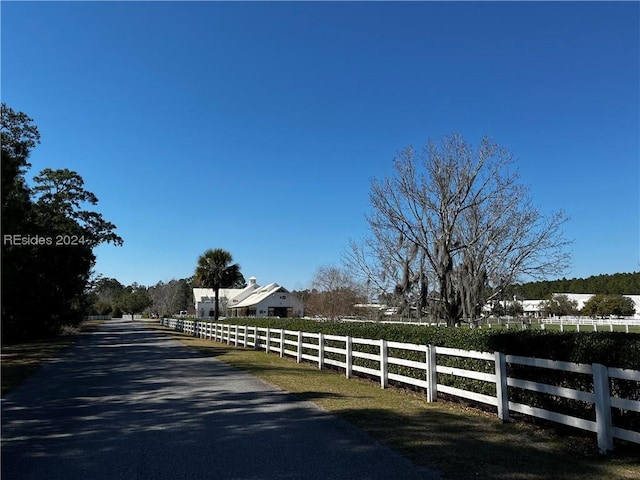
point(128, 403)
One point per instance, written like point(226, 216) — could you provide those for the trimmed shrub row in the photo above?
point(613, 349)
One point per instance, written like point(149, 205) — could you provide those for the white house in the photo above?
point(532, 308)
point(252, 301)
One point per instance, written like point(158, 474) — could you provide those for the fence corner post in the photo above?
point(502, 389)
point(602, 394)
point(384, 370)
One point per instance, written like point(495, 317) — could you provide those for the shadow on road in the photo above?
point(126, 402)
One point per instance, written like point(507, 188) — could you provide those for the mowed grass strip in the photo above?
point(461, 442)
point(19, 361)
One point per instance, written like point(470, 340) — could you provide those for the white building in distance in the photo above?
point(533, 308)
point(271, 300)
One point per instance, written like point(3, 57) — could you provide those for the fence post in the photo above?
point(384, 374)
point(256, 343)
point(235, 328)
point(320, 351)
point(502, 392)
point(347, 357)
point(282, 342)
point(604, 426)
point(268, 346)
point(432, 375)
point(299, 356)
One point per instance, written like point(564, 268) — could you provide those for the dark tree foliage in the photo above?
point(560, 306)
point(103, 295)
point(617, 283)
point(184, 295)
point(605, 305)
point(134, 299)
point(47, 239)
point(216, 270)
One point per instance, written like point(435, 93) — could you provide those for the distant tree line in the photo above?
point(617, 283)
point(111, 298)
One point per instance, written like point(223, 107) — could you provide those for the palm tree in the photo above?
point(216, 271)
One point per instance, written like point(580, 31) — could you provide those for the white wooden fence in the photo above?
point(595, 324)
point(344, 352)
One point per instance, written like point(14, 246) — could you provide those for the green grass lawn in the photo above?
point(462, 442)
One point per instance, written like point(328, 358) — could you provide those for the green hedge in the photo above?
point(613, 349)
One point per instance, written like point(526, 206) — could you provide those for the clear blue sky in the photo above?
point(257, 127)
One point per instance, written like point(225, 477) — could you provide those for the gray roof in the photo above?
point(260, 294)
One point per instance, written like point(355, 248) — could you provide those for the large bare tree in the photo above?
point(165, 296)
point(334, 293)
point(391, 267)
point(459, 215)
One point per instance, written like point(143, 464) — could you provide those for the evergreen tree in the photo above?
point(48, 239)
point(215, 270)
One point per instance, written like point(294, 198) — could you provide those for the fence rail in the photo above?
point(427, 365)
